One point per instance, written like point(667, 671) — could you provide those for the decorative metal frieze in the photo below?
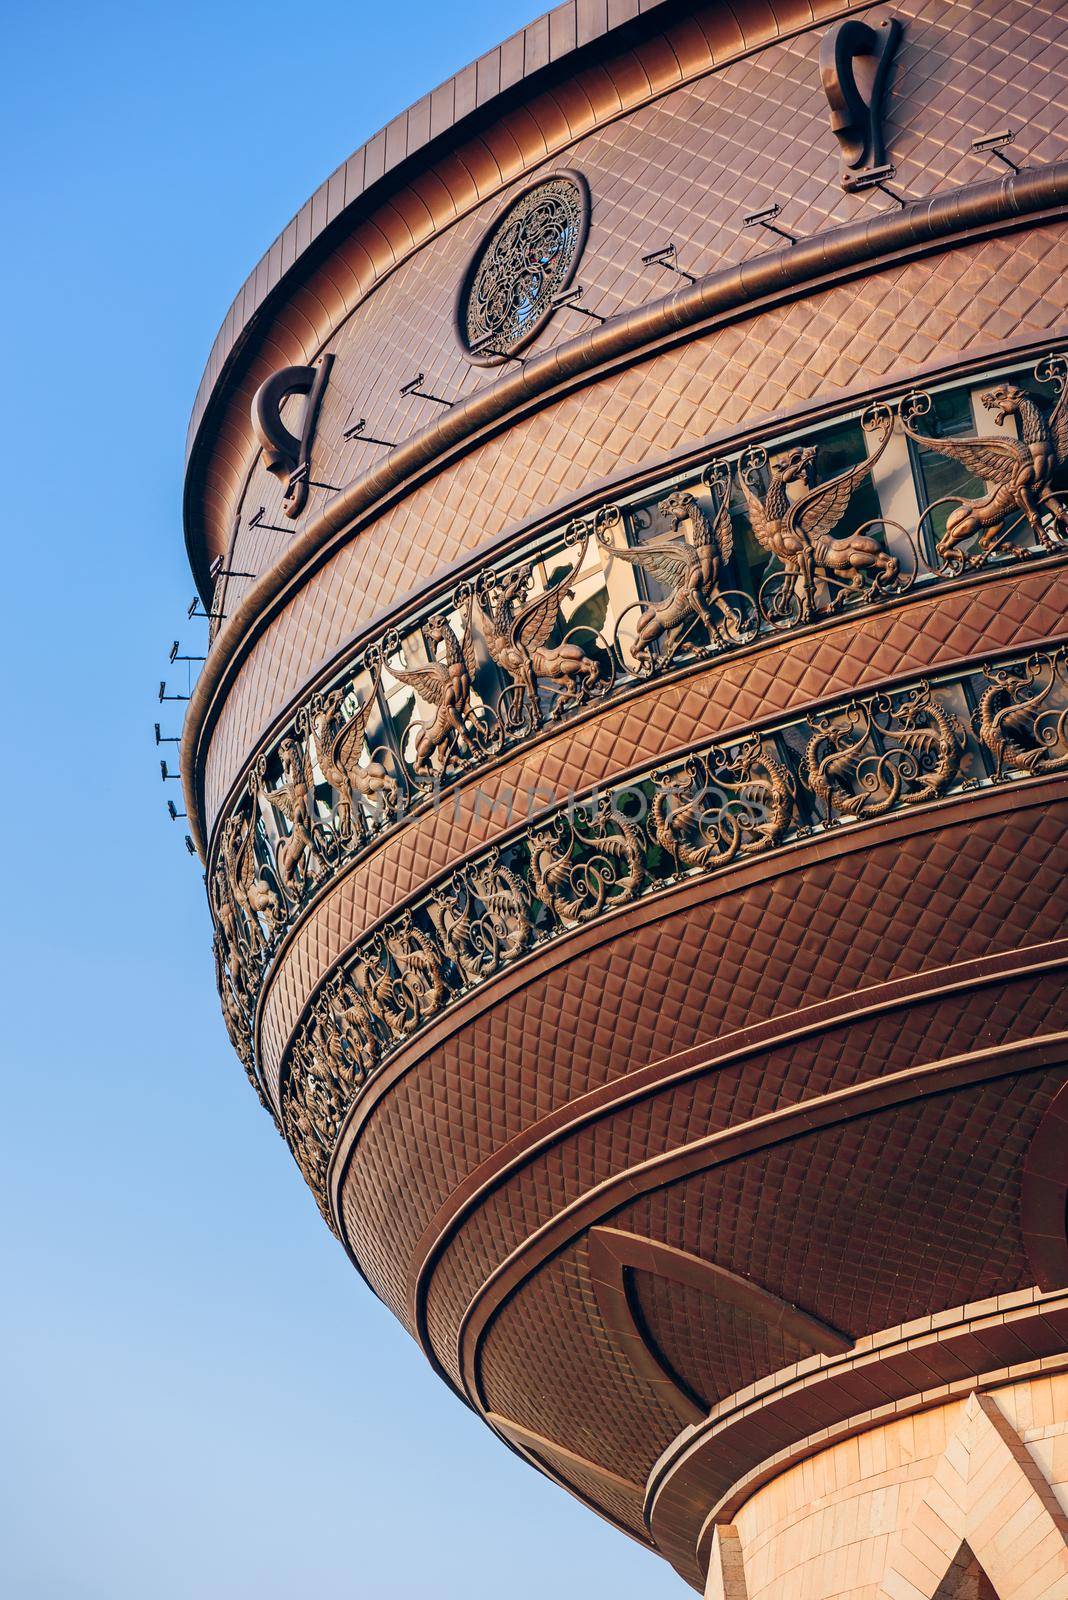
point(800, 534)
point(689, 567)
point(526, 261)
point(1020, 471)
point(740, 549)
point(519, 631)
point(843, 765)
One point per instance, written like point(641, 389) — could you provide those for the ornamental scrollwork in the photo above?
point(527, 259)
point(709, 564)
point(585, 862)
point(519, 632)
point(336, 738)
point(445, 686)
point(800, 534)
point(843, 766)
point(296, 859)
point(482, 918)
point(887, 751)
point(1018, 720)
point(722, 805)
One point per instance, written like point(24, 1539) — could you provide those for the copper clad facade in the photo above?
point(631, 766)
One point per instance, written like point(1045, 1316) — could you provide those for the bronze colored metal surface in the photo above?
point(719, 704)
point(634, 798)
point(859, 761)
point(868, 44)
point(720, 385)
point(850, 571)
point(474, 161)
point(945, 71)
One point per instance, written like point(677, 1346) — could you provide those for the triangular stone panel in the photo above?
point(987, 1516)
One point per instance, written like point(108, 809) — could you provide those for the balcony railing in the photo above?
point(847, 764)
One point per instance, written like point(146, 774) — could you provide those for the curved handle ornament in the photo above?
point(855, 61)
point(284, 455)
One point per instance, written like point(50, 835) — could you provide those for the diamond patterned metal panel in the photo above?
point(999, 612)
point(840, 343)
point(686, 167)
point(780, 1076)
point(801, 1221)
point(714, 1347)
point(807, 935)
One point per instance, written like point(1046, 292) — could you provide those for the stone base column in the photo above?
point(967, 1501)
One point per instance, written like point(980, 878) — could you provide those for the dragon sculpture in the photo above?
point(1015, 727)
point(1020, 471)
point(801, 534)
point(482, 918)
point(861, 768)
point(338, 745)
point(518, 631)
point(578, 871)
point(240, 896)
point(421, 983)
point(687, 566)
point(706, 816)
point(445, 685)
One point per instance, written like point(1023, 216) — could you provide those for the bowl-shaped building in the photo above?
point(630, 766)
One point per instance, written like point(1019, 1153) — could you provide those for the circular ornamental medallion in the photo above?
point(528, 257)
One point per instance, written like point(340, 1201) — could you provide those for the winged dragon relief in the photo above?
point(800, 534)
point(338, 743)
point(875, 755)
point(445, 686)
point(1020, 471)
point(688, 564)
point(518, 633)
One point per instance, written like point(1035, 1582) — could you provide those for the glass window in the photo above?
point(936, 475)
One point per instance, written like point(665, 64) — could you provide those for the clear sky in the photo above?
point(201, 1400)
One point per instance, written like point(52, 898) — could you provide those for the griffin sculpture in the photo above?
point(688, 568)
point(518, 631)
point(1020, 471)
point(293, 799)
point(801, 534)
point(338, 746)
point(446, 686)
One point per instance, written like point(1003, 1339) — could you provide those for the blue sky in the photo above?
point(201, 1399)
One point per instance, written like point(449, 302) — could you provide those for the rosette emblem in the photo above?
point(522, 266)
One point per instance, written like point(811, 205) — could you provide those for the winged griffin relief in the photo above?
point(339, 743)
point(445, 686)
point(1019, 471)
point(800, 534)
point(518, 633)
point(244, 903)
point(294, 801)
point(688, 565)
